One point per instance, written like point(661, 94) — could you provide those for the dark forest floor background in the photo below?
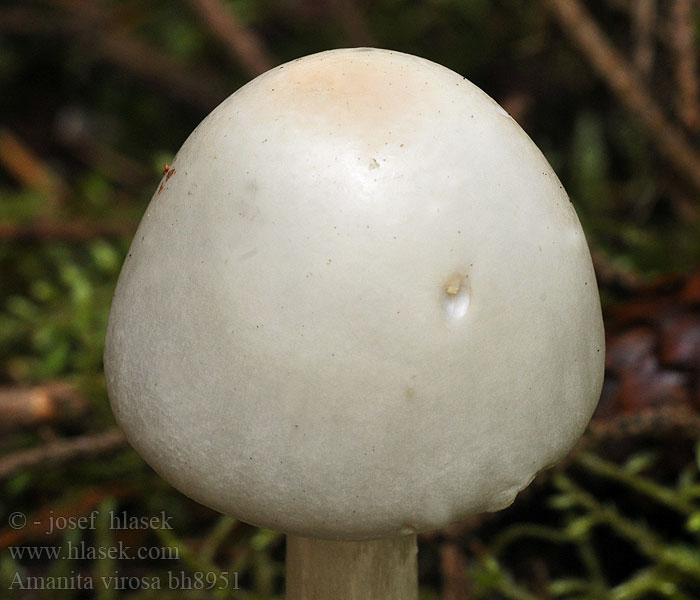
point(96, 96)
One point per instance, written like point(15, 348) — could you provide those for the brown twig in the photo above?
point(518, 105)
point(20, 161)
point(23, 20)
point(245, 47)
point(453, 569)
point(24, 407)
point(61, 451)
point(73, 231)
point(643, 14)
point(79, 24)
point(352, 22)
point(118, 167)
point(199, 87)
point(684, 204)
point(626, 84)
point(663, 421)
point(608, 273)
point(682, 40)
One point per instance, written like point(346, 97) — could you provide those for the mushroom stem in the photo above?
point(385, 569)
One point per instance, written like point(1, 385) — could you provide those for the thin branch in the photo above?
point(610, 273)
point(663, 421)
point(352, 21)
point(24, 407)
point(20, 161)
point(682, 39)
point(626, 84)
point(199, 86)
point(683, 202)
point(244, 47)
point(646, 541)
point(22, 20)
point(663, 495)
point(453, 569)
point(643, 14)
point(118, 167)
point(62, 451)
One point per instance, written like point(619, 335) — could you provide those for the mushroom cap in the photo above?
point(359, 304)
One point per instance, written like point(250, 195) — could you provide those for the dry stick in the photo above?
point(62, 451)
point(23, 164)
point(623, 80)
point(453, 569)
point(28, 21)
point(24, 407)
point(663, 421)
point(681, 36)
point(643, 13)
point(352, 21)
point(199, 87)
point(109, 162)
point(243, 46)
point(20, 161)
point(92, 9)
point(609, 273)
point(684, 204)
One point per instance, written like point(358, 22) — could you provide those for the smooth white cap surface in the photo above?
point(359, 304)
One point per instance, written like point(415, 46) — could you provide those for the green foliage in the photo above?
point(102, 128)
point(667, 558)
point(54, 322)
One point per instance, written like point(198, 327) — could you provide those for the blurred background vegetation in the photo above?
point(97, 96)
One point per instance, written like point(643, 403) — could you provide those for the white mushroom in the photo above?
point(359, 305)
